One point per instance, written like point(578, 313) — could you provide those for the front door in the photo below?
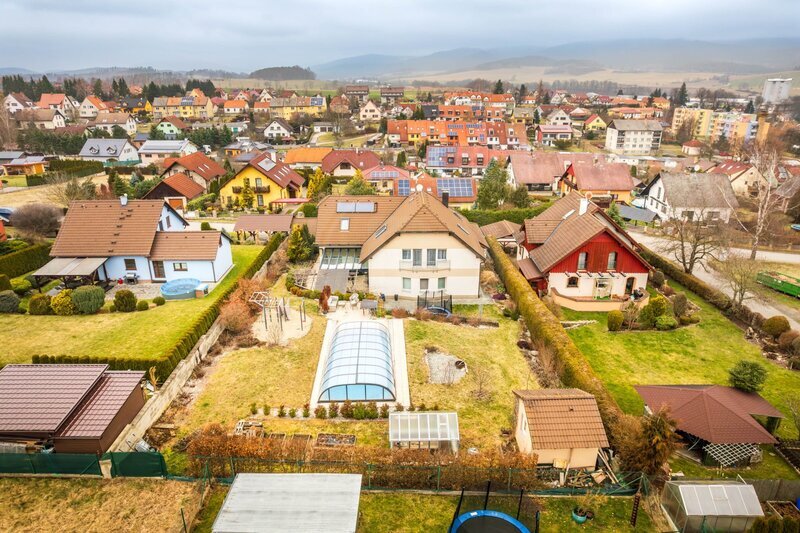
point(629, 285)
point(158, 270)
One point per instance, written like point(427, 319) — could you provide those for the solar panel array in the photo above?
point(403, 187)
point(266, 164)
point(355, 207)
point(457, 187)
point(382, 174)
point(437, 154)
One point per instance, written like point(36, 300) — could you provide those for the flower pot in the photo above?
point(578, 518)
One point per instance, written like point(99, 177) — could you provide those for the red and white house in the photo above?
point(576, 253)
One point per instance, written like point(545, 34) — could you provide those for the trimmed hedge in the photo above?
point(88, 299)
point(482, 217)
point(25, 260)
point(545, 327)
point(166, 362)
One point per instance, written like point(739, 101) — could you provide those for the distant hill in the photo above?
point(11, 71)
point(284, 73)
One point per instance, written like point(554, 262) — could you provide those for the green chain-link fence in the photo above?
point(123, 464)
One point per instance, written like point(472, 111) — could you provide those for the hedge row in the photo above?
point(167, 362)
point(518, 216)
point(25, 260)
point(76, 167)
point(546, 328)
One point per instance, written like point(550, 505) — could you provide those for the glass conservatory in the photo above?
point(359, 364)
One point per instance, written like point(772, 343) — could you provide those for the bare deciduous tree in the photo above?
point(693, 241)
point(63, 189)
point(793, 404)
point(765, 158)
point(739, 273)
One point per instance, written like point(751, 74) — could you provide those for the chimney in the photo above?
point(584, 206)
point(446, 198)
point(123, 200)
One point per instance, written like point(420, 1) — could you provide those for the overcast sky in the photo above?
point(244, 35)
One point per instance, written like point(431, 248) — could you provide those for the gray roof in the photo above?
point(303, 503)
point(636, 125)
point(103, 147)
point(163, 147)
point(717, 499)
point(636, 213)
point(10, 155)
point(696, 190)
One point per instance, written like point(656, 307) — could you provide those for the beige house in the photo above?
point(43, 119)
point(370, 112)
point(561, 426)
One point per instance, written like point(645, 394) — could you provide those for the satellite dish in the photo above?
point(419, 187)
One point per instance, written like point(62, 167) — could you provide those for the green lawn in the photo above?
point(139, 334)
point(411, 513)
point(697, 354)
point(285, 375)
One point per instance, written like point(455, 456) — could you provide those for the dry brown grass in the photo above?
point(93, 504)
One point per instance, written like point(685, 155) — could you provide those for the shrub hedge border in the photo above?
point(167, 362)
point(705, 291)
point(482, 217)
point(544, 326)
point(25, 260)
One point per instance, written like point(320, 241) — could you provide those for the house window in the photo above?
point(406, 284)
point(169, 222)
point(417, 258)
point(423, 284)
point(572, 282)
point(431, 257)
point(441, 254)
point(407, 255)
point(582, 260)
point(180, 267)
point(130, 264)
point(441, 283)
point(612, 261)
point(258, 182)
point(344, 224)
point(260, 199)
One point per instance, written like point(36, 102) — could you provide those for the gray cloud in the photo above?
point(248, 34)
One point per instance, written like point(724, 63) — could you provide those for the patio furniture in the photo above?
point(354, 301)
point(132, 278)
point(333, 301)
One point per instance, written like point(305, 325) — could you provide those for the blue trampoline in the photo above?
point(180, 289)
point(487, 521)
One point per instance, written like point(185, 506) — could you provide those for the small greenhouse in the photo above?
point(429, 430)
point(697, 506)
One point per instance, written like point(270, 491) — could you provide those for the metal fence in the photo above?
point(123, 464)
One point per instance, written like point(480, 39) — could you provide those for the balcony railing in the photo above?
point(441, 264)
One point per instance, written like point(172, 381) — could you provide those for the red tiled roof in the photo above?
point(601, 176)
point(175, 121)
point(278, 171)
point(184, 185)
point(694, 143)
point(48, 99)
point(264, 223)
point(716, 414)
point(201, 164)
point(359, 159)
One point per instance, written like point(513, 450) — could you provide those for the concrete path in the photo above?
point(756, 303)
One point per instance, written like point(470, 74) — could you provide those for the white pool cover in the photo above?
point(359, 364)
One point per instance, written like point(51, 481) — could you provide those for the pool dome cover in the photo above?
point(359, 365)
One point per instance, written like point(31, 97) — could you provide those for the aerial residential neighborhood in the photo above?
point(424, 268)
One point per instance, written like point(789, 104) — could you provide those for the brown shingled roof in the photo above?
point(422, 213)
point(38, 398)
point(264, 223)
point(563, 418)
point(500, 229)
point(102, 404)
point(101, 228)
point(362, 225)
point(186, 245)
point(359, 159)
point(716, 414)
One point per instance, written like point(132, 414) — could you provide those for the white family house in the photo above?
point(108, 240)
point(106, 150)
point(408, 246)
point(692, 196)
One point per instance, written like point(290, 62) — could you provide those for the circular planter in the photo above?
point(578, 518)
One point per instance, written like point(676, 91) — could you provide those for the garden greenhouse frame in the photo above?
point(698, 506)
point(431, 430)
